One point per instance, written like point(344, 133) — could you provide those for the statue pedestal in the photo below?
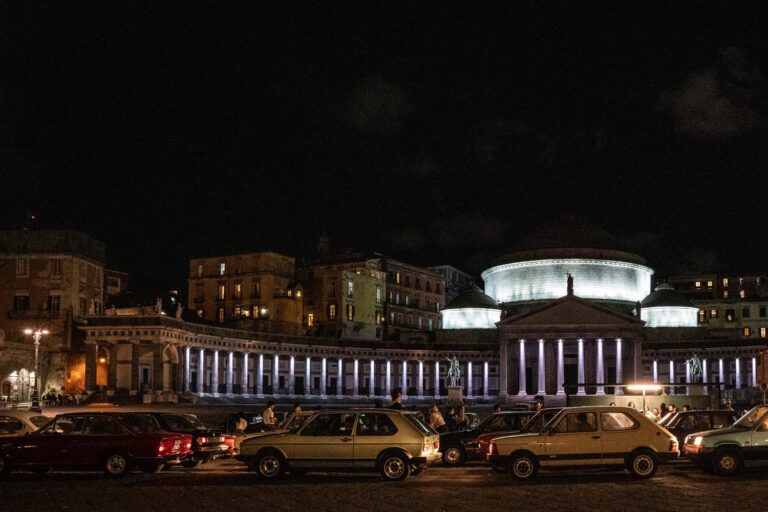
point(696, 389)
point(455, 395)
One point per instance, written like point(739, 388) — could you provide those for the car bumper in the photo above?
point(168, 459)
point(426, 459)
point(211, 452)
point(698, 454)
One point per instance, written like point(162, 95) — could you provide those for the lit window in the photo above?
point(747, 331)
point(350, 312)
point(237, 311)
point(698, 284)
point(397, 277)
point(222, 269)
point(725, 282)
point(238, 291)
point(331, 311)
point(420, 322)
point(730, 315)
point(378, 295)
point(22, 267)
point(379, 317)
point(298, 294)
point(310, 319)
point(429, 323)
point(742, 294)
point(397, 298)
point(702, 316)
point(710, 284)
point(763, 332)
point(200, 270)
point(220, 315)
point(713, 313)
point(725, 294)
point(222, 291)
point(437, 306)
point(350, 288)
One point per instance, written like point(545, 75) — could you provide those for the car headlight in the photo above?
point(697, 441)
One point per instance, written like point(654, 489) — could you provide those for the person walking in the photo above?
point(241, 424)
point(268, 416)
point(461, 421)
point(397, 401)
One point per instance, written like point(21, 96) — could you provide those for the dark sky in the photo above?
point(435, 132)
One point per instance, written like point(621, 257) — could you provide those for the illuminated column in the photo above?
point(600, 374)
point(754, 372)
point(308, 376)
point(738, 372)
point(560, 369)
point(404, 380)
point(323, 378)
point(705, 375)
point(437, 380)
point(260, 377)
point(292, 375)
point(421, 380)
point(201, 371)
point(215, 373)
point(340, 378)
point(619, 368)
point(356, 380)
point(503, 364)
point(469, 379)
point(580, 369)
point(542, 373)
point(687, 377)
point(244, 376)
point(485, 381)
point(275, 374)
point(372, 380)
point(388, 380)
point(655, 371)
point(185, 382)
point(230, 377)
point(671, 376)
point(521, 374)
point(721, 372)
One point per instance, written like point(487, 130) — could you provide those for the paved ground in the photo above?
point(226, 486)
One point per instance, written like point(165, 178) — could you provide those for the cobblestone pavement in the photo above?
point(226, 486)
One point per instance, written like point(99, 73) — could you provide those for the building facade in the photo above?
point(456, 281)
point(48, 280)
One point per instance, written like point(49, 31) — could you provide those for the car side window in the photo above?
point(103, 426)
point(720, 421)
point(615, 421)
point(9, 425)
point(69, 425)
point(577, 422)
point(374, 424)
point(763, 427)
point(330, 425)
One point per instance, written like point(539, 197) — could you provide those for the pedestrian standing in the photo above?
point(268, 416)
point(397, 400)
point(241, 424)
point(436, 420)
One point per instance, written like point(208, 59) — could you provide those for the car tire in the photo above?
point(270, 465)
point(454, 456)
point(191, 464)
point(727, 462)
point(523, 466)
point(642, 464)
point(395, 467)
point(116, 465)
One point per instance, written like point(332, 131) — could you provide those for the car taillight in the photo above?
point(165, 447)
point(202, 440)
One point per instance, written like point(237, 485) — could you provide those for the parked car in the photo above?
point(207, 444)
point(113, 442)
point(534, 424)
point(290, 424)
point(688, 422)
point(595, 437)
point(19, 423)
point(463, 445)
point(727, 451)
point(395, 443)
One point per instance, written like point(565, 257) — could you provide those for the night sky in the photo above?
point(432, 132)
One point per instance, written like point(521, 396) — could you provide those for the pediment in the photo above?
point(571, 310)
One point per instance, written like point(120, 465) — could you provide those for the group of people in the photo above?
point(453, 420)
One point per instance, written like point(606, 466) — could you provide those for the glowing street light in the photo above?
point(37, 335)
point(644, 387)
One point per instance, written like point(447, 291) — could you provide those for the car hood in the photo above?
point(263, 435)
point(719, 432)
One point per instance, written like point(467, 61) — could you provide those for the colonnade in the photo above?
point(743, 375)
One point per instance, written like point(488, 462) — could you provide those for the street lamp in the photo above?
point(37, 335)
point(644, 388)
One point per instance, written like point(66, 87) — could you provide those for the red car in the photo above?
point(113, 442)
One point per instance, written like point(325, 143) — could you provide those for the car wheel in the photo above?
point(453, 456)
point(395, 467)
point(642, 464)
point(727, 462)
point(116, 465)
point(270, 465)
point(191, 464)
point(523, 466)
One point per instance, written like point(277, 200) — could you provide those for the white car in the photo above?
point(19, 423)
point(290, 424)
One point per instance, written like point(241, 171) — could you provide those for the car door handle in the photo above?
point(595, 437)
point(346, 439)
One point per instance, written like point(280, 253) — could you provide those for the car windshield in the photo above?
point(294, 422)
point(416, 421)
point(39, 421)
point(140, 423)
point(751, 418)
point(537, 422)
point(501, 422)
point(666, 419)
point(182, 422)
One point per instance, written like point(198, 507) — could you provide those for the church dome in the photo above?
point(471, 309)
point(666, 307)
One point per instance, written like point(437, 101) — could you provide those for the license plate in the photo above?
point(176, 445)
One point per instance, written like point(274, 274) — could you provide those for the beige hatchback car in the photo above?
point(395, 443)
point(14, 422)
point(592, 437)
